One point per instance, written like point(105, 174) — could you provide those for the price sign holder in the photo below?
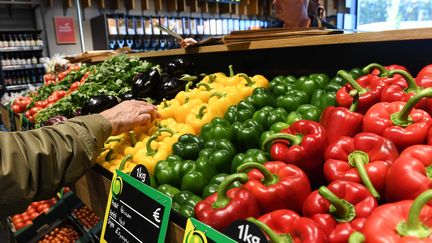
point(197, 231)
point(244, 231)
point(135, 212)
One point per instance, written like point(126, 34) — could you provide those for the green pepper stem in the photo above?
point(123, 162)
point(117, 138)
point(342, 210)
point(150, 150)
point(201, 113)
point(188, 78)
point(293, 139)
point(355, 103)
point(412, 86)
point(402, 118)
point(133, 140)
point(218, 94)
point(212, 78)
point(429, 172)
point(351, 80)
point(231, 71)
point(187, 87)
point(356, 237)
point(269, 178)
point(108, 155)
point(414, 227)
point(222, 199)
point(274, 238)
point(206, 86)
point(165, 103)
point(359, 159)
point(382, 70)
point(247, 78)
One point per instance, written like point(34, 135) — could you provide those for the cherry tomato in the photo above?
point(25, 217)
point(34, 215)
point(41, 207)
point(75, 86)
point(60, 93)
point(62, 75)
point(28, 222)
point(16, 108)
point(39, 104)
point(52, 98)
point(49, 105)
point(35, 110)
point(19, 225)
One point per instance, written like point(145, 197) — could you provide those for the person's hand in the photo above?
point(129, 114)
point(187, 42)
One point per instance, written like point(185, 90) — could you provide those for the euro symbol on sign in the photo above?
point(156, 215)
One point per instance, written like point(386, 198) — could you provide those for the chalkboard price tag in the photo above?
point(197, 231)
point(141, 173)
point(135, 212)
point(244, 231)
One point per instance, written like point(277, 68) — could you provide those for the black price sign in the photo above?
point(135, 212)
point(245, 232)
point(141, 173)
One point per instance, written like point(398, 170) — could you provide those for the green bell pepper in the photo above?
point(322, 99)
point(230, 114)
point(304, 112)
point(332, 87)
point(292, 99)
point(168, 190)
point(216, 129)
point(219, 153)
point(251, 155)
point(188, 146)
point(198, 176)
point(307, 84)
point(261, 97)
point(184, 203)
point(247, 133)
point(278, 126)
point(214, 183)
point(280, 85)
point(267, 116)
point(172, 169)
point(321, 78)
point(241, 112)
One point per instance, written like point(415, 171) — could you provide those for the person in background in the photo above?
point(291, 13)
point(36, 164)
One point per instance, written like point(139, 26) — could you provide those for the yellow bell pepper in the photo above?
point(181, 112)
point(219, 103)
point(260, 81)
point(166, 109)
point(199, 116)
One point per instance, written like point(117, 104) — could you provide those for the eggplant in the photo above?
point(169, 87)
point(55, 119)
point(99, 103)
point(144, 84)
point(179, 66)
point(127, 96)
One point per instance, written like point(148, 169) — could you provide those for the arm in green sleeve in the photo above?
point(36, 164)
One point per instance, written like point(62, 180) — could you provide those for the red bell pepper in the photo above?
point(395, 92)
point(277, 185)
point(369, 88)
point(424, 77)
point(404, 221)
point(399, 121)
point(339, 209)
point(384, 73)
point(341, 121)
point(287, 226)
point(302, 144)
point(410, 174)
point(364, 159)
point(222, 208)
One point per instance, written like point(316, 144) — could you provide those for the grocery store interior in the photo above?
point(215, 121)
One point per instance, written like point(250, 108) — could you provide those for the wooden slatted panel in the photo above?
point(171, 5)
point(181, 5)
point(159, 5)
point(267, 8)
point(50, 3)
point(129, 4)
point(67, 3)
point(86, 3)
point(224, 8)
point(203, 7)
point(193, 5)
point(101, 4)
point(115, 4)
point(145, 5)
point(213, 8)
point(252, 7)
point(242, 7)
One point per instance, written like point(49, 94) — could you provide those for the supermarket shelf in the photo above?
point(25, 48)
point(20, 86)
point(19, 67)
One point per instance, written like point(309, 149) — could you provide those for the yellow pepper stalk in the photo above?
point(231, 80)
point(180, 113)
point(219, 103)
point(166, 109)
point(199, 116)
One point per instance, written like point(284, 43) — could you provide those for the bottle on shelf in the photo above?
point(32, 40)
point(28, 59)
point(34, 60)
point(11, 42)
point(39, 41)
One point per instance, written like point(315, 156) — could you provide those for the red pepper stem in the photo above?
point(247, 78)
point(402, 118)
point(412, 85)
point(355, 103)
point(274, 238)
point(133, 140)
point(206, 86)
point(429, 172)
point(123, 162)
point(356, 237)
point(201, 113)
point(382, 70)
point(413, 226)
point(231, 71)
point(342, 210)
point(269, 178)
point(351, 80)
point(359, 159)
point(222, 199)
point(293, 139)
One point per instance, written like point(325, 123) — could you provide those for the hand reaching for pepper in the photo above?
point(129, 114)
point(184, 43)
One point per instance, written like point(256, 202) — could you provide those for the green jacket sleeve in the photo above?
point(36, 164)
